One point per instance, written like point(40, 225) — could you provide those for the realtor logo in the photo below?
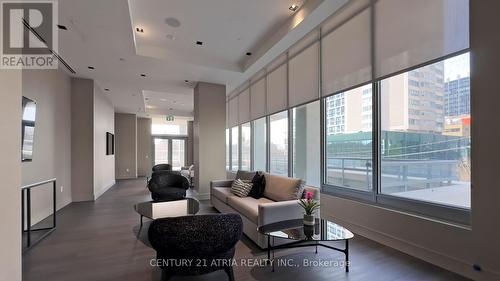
point(29, 35)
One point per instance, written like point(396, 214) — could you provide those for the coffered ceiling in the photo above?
point(147, 71)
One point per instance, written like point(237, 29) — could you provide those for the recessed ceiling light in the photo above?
point(199, 43)
point(106, 89)
point(60, 26)
point(173, 22)
point(186, 81)
point(293, 8)
point(170, 37)
point(248, 54)
point(143, 75)
point(139, 29)
point(91, 67)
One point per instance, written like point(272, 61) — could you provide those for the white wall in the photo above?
point(93, 172)
point(144, 147)
point(209, 135)
point(10, 172)
point(51, 89)
point(104, 121)
point(125, 146)
point(82, 144)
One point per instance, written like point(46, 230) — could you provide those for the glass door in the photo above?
point(170, 150)
point(161, 151)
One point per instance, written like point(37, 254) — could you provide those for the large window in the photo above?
point(234, 149)
point(349, 139)
point(259, 145)
point(306, 143)
point(279, 143)
point(245, 146)
point(228, 156)
point(425, 133)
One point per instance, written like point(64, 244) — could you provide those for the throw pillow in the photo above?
point(241, 188)
point(259, 184)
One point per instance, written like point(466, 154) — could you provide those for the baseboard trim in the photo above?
point(103, 190)
point(203, 196)
point(447, 262)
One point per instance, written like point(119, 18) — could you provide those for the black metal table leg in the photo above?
point(141, 222)
point(273, 256)
point(268, 248)
point(346, 255)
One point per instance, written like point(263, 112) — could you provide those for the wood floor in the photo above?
point(101, 241)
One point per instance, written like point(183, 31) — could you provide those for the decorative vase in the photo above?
point(309, 219)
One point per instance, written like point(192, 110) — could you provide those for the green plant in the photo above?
point(309, 204)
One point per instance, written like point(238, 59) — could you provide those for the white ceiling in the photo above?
point(102, 34)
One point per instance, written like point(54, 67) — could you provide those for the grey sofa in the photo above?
point(280, 202)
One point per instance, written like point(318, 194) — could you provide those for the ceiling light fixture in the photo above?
point(186, 81)
point(293, 8)
point(91, 67)
point(143, 75)
point(60, 26)
point(173, 22)
point(248, 53)
point(107, 90)
point(139, 29)
point(199, 43)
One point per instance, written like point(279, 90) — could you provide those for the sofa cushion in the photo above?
point(279, 188)
point(244, 175)
point(241, 188)
point(247, 206)
point(222, 193)
point(259, 184)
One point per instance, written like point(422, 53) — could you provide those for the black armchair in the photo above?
point(162, 167)
point(167, 186)
point(206, 240)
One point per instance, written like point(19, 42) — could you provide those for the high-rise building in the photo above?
point(412, 101)
point(457, 97)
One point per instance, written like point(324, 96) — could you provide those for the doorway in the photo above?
point(170, 150)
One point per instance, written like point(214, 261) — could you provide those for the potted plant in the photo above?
point(310, 206)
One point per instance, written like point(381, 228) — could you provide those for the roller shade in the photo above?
point(258, 99)
point(233, 112)
point(244, 106)
point(425, 30)
point(346, 54)
point(303, 76)
point(277, 89)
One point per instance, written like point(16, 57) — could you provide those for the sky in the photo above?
point(457, 66)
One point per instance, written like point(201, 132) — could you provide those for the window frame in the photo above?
point(461, 216)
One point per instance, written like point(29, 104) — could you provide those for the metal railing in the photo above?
point(26, 196)
point(402, 171)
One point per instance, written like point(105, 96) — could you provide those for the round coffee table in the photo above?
point(305, 235)
point(156, 210)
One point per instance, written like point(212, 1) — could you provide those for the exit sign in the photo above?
point(170, 118)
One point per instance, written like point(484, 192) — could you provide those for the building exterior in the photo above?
point(457, 97)
point(410, 102)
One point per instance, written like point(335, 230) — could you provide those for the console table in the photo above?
point(26, 197)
